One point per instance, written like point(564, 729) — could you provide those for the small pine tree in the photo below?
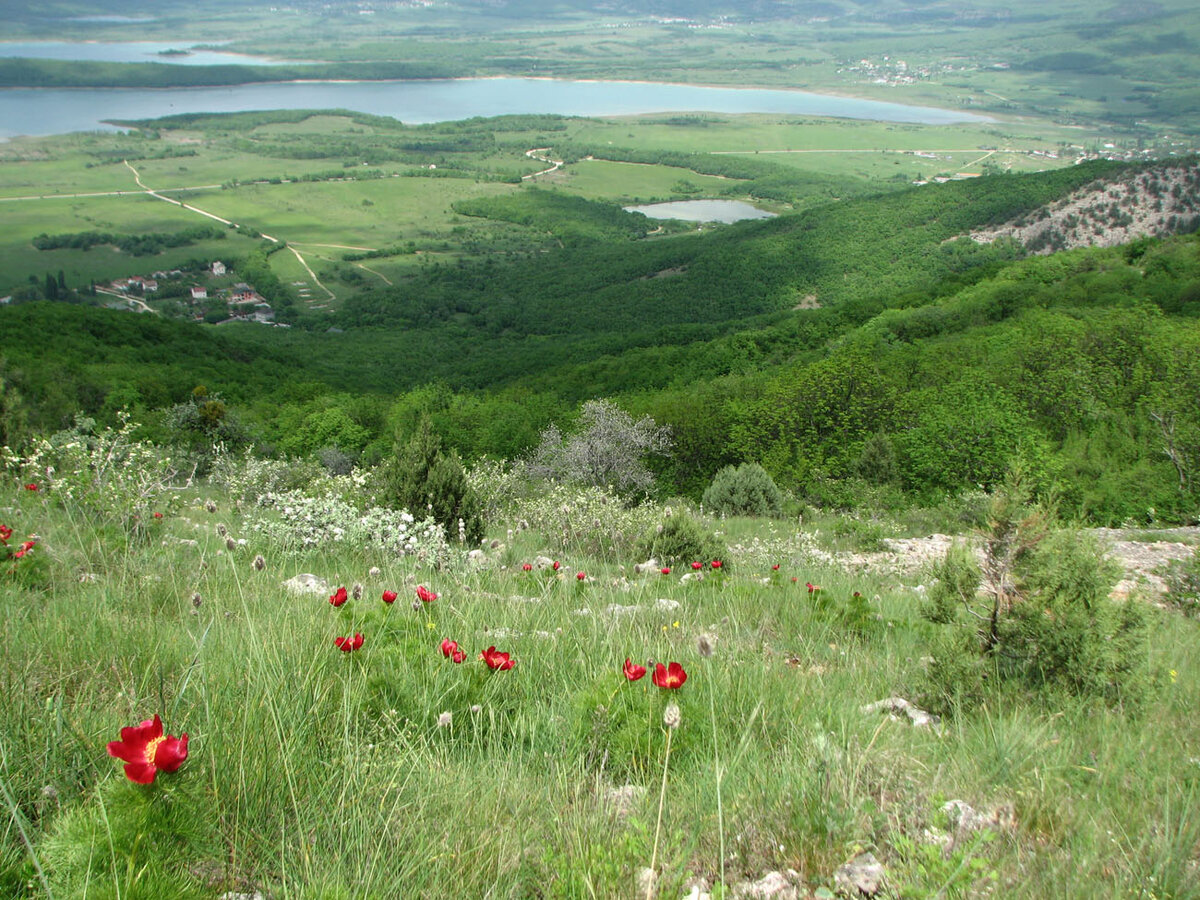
point(745, 490)
point(421, 477)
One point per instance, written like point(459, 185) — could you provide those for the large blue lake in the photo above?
point(37, 111)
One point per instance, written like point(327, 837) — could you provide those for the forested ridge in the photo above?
point(929, 364)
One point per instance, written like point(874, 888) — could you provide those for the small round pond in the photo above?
point(725, 211)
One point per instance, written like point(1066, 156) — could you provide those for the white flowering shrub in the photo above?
point(497, 485)
point(246, 477)
point(294, 521)
point(103, 474)
point(587, 519)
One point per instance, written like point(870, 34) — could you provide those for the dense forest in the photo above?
point(864, 353)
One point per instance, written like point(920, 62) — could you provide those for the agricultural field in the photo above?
point(335, 187)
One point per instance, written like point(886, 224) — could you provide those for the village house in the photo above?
point(199, 293)
point(218, 268)
point(146, 284)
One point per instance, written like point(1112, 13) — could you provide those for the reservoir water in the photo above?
point(186, 53)
point(38, 111)
point(726, 211)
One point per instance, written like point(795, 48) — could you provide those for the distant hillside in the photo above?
point(1151, 202)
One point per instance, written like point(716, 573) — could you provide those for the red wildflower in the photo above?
point(697, 565)
point(158, 515)
point(338, 597)
point(448, 647)
point(5, 533)
point(425, 595)
point(32, 486)
point(389, 596)
point(25, 548)
point(669, 676)
point(459, 655)
point(555, 566)
point(580, 576)
point(348, 644)
point(716, 564)
point(775, 568)
point(496, 659)
point(145, 751)
point(633, 671)
point(812, 588)
point(527, 567)
point(666, 570)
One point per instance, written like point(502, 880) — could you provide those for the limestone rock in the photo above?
point(307, 583)
point(861, 877)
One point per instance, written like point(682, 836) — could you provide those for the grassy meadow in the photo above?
point(390, 770)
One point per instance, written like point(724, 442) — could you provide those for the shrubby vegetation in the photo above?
point(133, 244)
point(745, 490)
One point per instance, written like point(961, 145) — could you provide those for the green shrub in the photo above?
point(423, 477)
point(957, 577)
point(1067, 632)
point(680, 539)
point(1044, 617)
point(1183, 584)
point(745, 490)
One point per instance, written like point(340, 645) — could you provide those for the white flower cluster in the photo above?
point(294, 521)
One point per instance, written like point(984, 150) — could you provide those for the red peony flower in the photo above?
point(555, 566)
point(669, 676)
point(716, 564)
point(145, 751)
point(775, 568)
point(697, 565)
point(496, 659)
point(348, 644)
point(158, 515)
point(32, 486)
point(633, 671)
point(812, 588)
point(338, 597)
point(5, 533)
point(25, 548)
point(425, 595)
point(448, 647)
point(666, 570)
point(580, 576)
point(459, 655)
point(527, 568)
point(389, 596)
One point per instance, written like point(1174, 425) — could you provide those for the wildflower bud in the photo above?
point(211, 506)
point(705, 644)
point(49, 792)
point(416, 605)
point(356, 591)
point(374, 572)
point(230, 544)
point(259, 563)
point(221, 529)
point(476, 708)
point(672, 716)
point(197, 600)
point(445, 719)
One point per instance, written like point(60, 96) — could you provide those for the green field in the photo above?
point(375, 188)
